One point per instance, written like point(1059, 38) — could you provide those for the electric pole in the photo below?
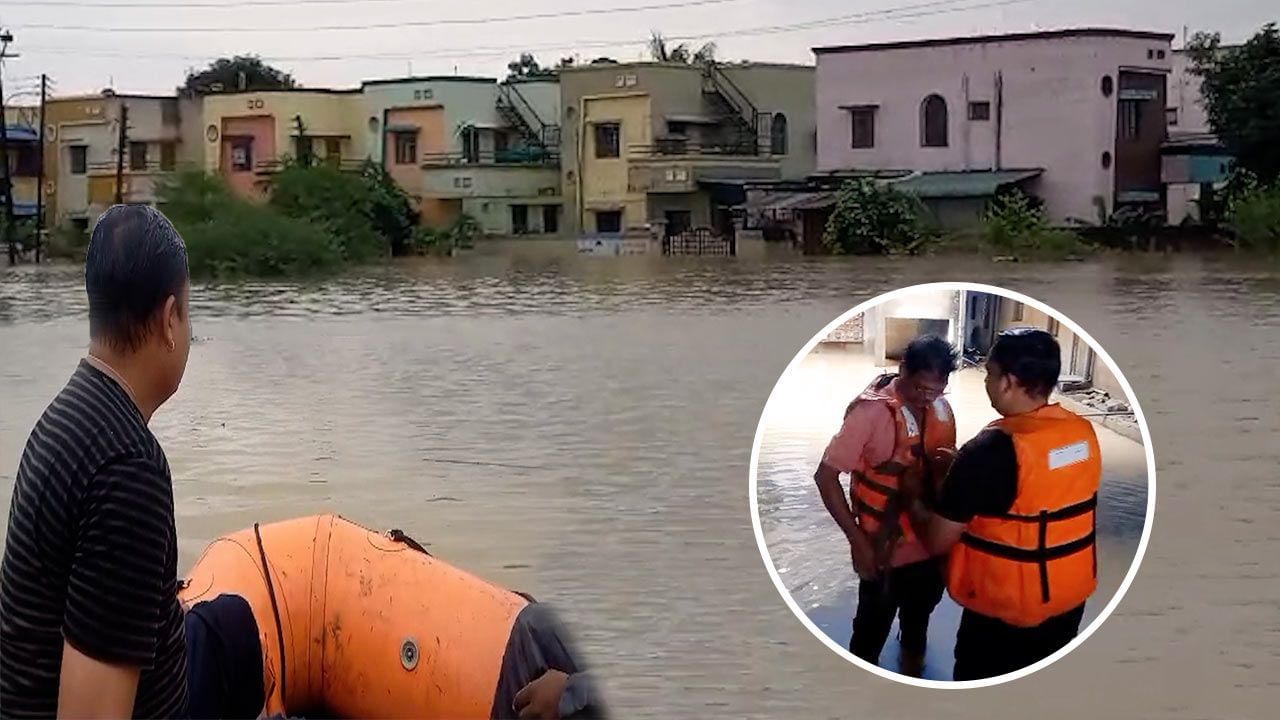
point(122, 140)
point(304, 146)
point(44, 93)
point(7, 183)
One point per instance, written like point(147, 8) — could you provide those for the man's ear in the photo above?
point(169, 319)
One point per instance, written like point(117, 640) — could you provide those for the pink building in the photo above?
point(1072, 116)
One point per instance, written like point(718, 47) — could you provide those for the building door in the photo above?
point(551, 219)
point(1140, 131)
point(519, 219)
point(679, 221)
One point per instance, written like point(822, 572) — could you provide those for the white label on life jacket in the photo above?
point(1069, 455)
point(912, 428)
point(942, 410)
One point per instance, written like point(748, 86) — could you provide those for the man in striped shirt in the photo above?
point(90, 623)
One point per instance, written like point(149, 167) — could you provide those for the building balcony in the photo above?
point(535, 157)
point(684, 167)
point(490, 181)
point(272, 166)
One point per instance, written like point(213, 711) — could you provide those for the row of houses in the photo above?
point(1076, 117)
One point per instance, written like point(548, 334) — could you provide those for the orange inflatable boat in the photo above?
point(355, 623)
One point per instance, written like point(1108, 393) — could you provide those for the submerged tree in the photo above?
point(1241, 90)
point(237, 74)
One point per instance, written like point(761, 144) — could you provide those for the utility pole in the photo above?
point(122, 140)
point(44, 93)
point(5, 38)
point(304, 146)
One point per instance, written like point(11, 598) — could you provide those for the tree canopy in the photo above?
point(662, 51)
point(237, 74)
point(1241, 91)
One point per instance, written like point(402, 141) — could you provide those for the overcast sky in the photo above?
point(85, 45)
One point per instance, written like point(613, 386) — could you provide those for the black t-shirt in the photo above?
point(91, 554)
point(983, 480)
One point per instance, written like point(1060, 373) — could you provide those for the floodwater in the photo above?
point(627, 390)
point(809, 551)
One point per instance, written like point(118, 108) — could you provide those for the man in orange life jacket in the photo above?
point(891, 429)
point(1017, 514)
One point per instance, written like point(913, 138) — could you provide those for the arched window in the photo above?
point(933, 122)
point(778, 134)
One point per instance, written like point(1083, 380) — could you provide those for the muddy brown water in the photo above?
point(621, 396)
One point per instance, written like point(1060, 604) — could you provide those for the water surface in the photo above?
point(629, 389)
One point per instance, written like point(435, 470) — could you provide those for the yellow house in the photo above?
point(249, 135)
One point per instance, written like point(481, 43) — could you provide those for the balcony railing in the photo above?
point(275, 165)
point(525, 157)
point(151, 167)
point(679, 147)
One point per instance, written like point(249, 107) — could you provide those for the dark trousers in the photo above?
point(224, 660)
point(987, 647)
point(911, 592)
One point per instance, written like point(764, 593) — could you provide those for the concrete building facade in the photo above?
point(471, 146)
point(1075, 117)
point(666, 147)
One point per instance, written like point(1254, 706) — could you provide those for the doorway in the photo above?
point(519, 219)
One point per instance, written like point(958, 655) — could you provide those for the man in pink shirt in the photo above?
point(900, 579)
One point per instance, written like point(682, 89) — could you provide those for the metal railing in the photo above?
point(275, 165)
point(525, 157)
point(678, 147)
point(734, 97)
point(522, 113)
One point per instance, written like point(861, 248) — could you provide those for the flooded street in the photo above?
point(615, 401)
point(810, 553)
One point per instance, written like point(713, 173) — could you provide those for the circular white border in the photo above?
point(1106, 611)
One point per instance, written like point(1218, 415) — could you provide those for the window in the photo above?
point(778, 134)
point(169, 112)
point(608, 137)
point(519, 219)
point(406, 148)
point(333, 148)
point(1159, 54)
point(79, 159)
point(168, 156)
point(500, 142)
point(1171, 117)
point(470, 145)
point(677, 128)
point(863, 125)
point(242, 155)
point(609, 221)
point(137, 156)
point(1017, 312)
point(933, 122)
point(551, 219)
point(1130, 119)
point(1054, 326)
point(980, 110)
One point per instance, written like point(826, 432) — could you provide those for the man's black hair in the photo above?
point(135, 261)
point(932, 354)
point(1032, 356)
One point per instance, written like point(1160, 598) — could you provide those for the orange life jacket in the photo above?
point(1041, 558)
point(874, 490)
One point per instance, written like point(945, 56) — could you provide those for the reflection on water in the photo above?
point(632, 387)
point(808, 549)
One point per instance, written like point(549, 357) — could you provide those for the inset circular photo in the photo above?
point(952, 485)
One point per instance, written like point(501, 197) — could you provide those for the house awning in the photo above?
point(971, 184)
point(729, 193)
point(799, 200)
point(402, 128)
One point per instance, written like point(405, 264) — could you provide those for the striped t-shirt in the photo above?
point(91, 554)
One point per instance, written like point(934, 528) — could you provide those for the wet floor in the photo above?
point(628, 390)
point(809, 551)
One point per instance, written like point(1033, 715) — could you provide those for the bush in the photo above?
point(257, 241)
point(875, 218)
point(1255, 219)
point(1015, 225)
point(227, 236)
point(68, 243)
point(367, 210)
point(444, 241)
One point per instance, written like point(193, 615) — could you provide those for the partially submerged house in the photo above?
point(1073, 117)
point(665, 148)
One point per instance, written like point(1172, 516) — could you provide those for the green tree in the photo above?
point(236, 74)
point(526, 66)
point(1241, 90)
point(873, 218)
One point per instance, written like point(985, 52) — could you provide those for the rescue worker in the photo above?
point(896, 427)
point(1017, 512)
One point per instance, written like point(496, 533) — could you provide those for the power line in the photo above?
point(928, 9)
point(493, 19)
point(208, 4)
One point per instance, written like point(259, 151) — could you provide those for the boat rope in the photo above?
point(398, 535)
point(275, 610)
